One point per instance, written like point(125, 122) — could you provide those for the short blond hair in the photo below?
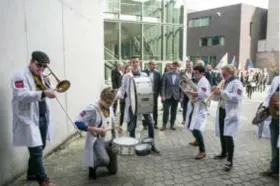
point(230, 69)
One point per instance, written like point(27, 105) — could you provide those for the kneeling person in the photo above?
point(96, 119)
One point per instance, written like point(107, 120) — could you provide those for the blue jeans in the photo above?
point(35, 163)
point(274, 131)
point(133, 121)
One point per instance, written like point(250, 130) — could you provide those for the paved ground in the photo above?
point(176, 165)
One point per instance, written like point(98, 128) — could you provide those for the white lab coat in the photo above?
point(92, 116)
point(274, 85)
point(25, 110)
point(232, 94)
point(199, 116)
point(125, 89)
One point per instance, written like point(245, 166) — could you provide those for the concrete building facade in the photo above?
point(235, 29)
point(71, 33)
point(268, 48)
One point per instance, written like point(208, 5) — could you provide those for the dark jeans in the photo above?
point(274, 131)
point(173, 104)
point(185, 106)
point(249, 90)
point(199, 138)
point(227, 142)
point(122, 106)
point(35, 163)
point(155, 112)
point(133, 122)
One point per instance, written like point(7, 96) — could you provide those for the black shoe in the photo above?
point(172, 128)
point(270, 173)
point(228, 166)
point(92, 173)
point(156, 127)
point(31, 177)
point(220, 157)
point(155, 150)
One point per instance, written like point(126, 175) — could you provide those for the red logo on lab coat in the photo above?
point(82, 114)
point(19, 84)
point(239, 91)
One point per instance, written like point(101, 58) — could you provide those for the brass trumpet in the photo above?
point(62, 86)
point(220, 85)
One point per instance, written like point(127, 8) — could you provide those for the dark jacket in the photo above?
point(116, 78)
point(157, 81)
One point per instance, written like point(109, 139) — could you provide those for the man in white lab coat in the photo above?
point(274, 129)
point(96, 119)
point(229, 95)
point(130, 117)
point(197, 109)
point(32, 124)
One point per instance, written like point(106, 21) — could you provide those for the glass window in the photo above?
point(173, 43)
point(131, 10)
point(213, 61)
point(205, 59)
point(205, 21)
point(131, 42)
point(204, 42)
point(152, 11)
point(216, 40)
point(111, 9)
point(174, 11)
point(199, 22)
point(152, 42)
point(111, 40)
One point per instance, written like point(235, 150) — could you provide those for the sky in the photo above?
point(209, 4)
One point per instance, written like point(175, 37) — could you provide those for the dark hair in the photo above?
point(199, 68)
point(167, 65)
point(134, 57)
point(175, 63)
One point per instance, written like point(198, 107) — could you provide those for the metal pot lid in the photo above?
point(142, 147)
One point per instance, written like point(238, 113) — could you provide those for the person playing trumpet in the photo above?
point(197, 110)
point(229, 95)
point(96, 119)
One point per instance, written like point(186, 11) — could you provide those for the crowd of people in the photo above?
point(32, 124)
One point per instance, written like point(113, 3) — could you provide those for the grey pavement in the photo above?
point(176, 166)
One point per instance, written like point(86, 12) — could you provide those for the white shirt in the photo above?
point(189, 74)
point(151, 74)
point(173, 78)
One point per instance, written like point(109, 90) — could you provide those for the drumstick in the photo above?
point(113, 128)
